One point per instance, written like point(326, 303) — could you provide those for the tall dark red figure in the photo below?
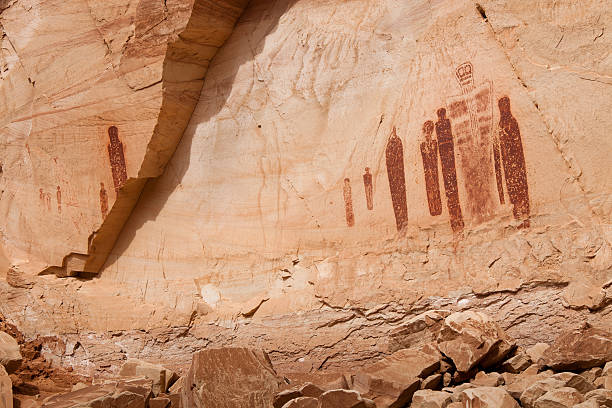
point(397, 179)
point(116, 157)
point(513, 159)
point(449, 173)
point(367, 185)
point(429, 153)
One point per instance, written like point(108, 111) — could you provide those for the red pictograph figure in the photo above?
point(397, 180)
point(348, 203)
point(103, 201)
point(429, 153)
point(449, 174)
point(59, 199)
point(367, 184)
point(117, 159)
point(498, 171)
point(513, 159)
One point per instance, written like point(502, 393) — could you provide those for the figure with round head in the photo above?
point(429, 154)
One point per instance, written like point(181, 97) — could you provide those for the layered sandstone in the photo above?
point(347, 165)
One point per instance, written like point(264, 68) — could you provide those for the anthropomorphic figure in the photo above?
point(513, 159)
point(348, 203)
point(367, 184)
point(449, 174)
point(103, 201)
point(397, 180)
point(117, 158)
point(429, 153)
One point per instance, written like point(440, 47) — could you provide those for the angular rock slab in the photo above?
point(431, 399)
point(10, 354)
point(393, 380)
point(560, 398)
point(579, 349)
point(469, 338)
point(488, 397)
point(230, 377)
point(116, 394)
point(162, 377)
point(6, 389)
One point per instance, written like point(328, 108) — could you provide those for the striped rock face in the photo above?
point(301, 175)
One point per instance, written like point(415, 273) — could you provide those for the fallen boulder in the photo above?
point(560, 398)
point(430, 399)
point(419, 330)
point(345, 399)
point(487, 397)
point(472, 338)
point(603, 397)
point(302, 402)
point(393, 380)
point(539, 388)
point(10, 356)
point(133, 393)
point(579, 349)
point(162, 377)
point(230, 377)
point(6, 389)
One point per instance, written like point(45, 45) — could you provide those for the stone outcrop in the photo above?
point(10, 356)
point(233, 377)
point(162, 377)
point(6, 389)
point(580, 348)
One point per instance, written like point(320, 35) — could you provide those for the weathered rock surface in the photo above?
point(10, 356)
point(488, 397)
point(230, 377)
point(472, 338)
point(6, 389)
point(580, 348)
point(603, 397)
point(430, 399)
point(302, 402)
point(117, 394)
point(162, 377)
point(343, 399)
point(559, 398)
point(265, 228)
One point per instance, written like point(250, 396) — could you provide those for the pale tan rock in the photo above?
point(230, 377)
point(536, 351)
point(121, 394)
point(584, 295)
point(592, 374)
point(516, 364)
point(592, 403)
point(559, 398)
point(6, 389)
point(517, 384)
point(394, 379)
point(161, 376)
point(342, 399)
point(488, 397)
point(469, 338)
point(456, 391)
point(483, 379)
point(10, 355)
point(419, 330)
point(580, 348)
point(430, 399)
point(285, 396)
point(607, 370)
point(539, 388)
point(302, 402)
point(575, 381)
point(603, 397)
point(311, 390)
point(78, 386)
point(604, 382)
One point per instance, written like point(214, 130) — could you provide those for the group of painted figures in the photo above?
point(470, 134)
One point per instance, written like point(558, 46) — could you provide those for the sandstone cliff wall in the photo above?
point(347, 165)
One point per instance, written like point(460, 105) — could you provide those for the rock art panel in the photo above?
point(116, 158)
point(471, 117)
